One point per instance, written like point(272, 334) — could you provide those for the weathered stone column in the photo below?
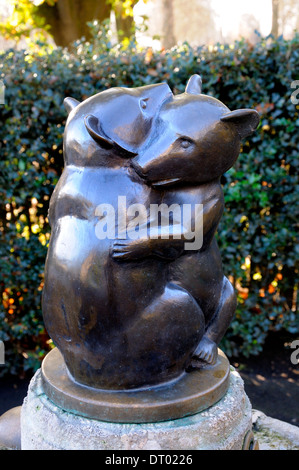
point(223, 426)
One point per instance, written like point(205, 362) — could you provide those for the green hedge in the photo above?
point(257, 235)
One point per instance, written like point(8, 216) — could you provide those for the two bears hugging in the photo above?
point(128, 312)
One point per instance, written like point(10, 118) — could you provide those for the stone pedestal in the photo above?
point(226, 425)
point(187, 395)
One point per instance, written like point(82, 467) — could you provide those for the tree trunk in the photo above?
point(275, 17)
point(168, 39)
point(68, 18)
point(125, 24)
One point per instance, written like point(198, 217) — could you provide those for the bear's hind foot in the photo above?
point(205, 355)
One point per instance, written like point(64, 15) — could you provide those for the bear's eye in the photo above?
point(185, 143)
point(143, 103)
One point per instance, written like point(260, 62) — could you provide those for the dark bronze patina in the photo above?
point(139, 314)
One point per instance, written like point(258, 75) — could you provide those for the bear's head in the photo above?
point(195, 139)
point(112, 123)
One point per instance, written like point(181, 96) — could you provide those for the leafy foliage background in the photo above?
point(258, 232)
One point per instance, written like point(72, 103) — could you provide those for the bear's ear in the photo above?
point(245, 120)
point(94, 129)
point(70, 104)
point(194, 84)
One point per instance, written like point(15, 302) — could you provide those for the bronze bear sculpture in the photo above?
point(196, 152)
point(126, 313)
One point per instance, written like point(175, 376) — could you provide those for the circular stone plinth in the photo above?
point(223, 426)
point(189, 394)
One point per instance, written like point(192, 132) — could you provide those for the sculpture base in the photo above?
point(224, 426)
point(189, 394)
